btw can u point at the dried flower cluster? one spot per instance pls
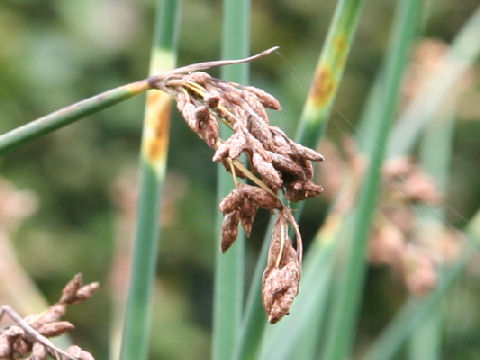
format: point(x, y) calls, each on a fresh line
point(403, 180)
point(277, 164)
point(415, 260)
point(28, 337)
point(282, 274)
point(396, 240)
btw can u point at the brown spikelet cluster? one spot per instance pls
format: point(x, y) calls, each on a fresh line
point(271, 160)
point(412, 250)
point(393, 242)
point(404, 179)
point(281, 277)
point(28, 337)
point(281, 163)
point(240, 205)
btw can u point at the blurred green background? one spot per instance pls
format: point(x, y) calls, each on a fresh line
point(54, 53)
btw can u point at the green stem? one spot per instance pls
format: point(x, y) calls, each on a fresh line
point(229, 269)
point(329, 72)
point(435, 153)
point(341, 328)
point(136, 331)
point(49, 123)
point(425, 340)
point(136, 336)
point(161, 57)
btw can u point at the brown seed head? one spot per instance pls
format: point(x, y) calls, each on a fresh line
point(301, 190)
point(21, 346)
point(265, 98)
point(55, 329)
point(281, 277)
point(212, 99)
point(79, 354)
point(39, 352)
point(229, 230)
point(5, 348)
point(70, 290)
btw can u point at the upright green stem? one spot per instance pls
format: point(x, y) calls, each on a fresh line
point(435, 154)
point(330, 67)
point(136, 336)
point(425, 341)
point(250, 335)
point(347, 303)
point(229, 271)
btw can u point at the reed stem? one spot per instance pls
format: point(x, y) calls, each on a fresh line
point(229, 268)
point(153, 159)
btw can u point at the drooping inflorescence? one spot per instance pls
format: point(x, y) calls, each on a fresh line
point(272, 161)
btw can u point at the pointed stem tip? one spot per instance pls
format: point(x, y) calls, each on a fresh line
point(210, 64)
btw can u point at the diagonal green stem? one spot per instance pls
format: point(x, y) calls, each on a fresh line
point(311, 128)
point(229, 270)
point(136, 336)
point(347, 302)
point(161, 57)
point(49, 123)
point(464, 51)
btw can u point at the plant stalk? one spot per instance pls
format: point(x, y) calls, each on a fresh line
point(229, 268)
point(346, 305)
point(153, 159)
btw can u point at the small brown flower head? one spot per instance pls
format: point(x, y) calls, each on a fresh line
point(21, 347)
point(5, 349)
point(229, 229)
point(387, 246)
point(39, 352)
point(419, 271)
point(301, 190)
point(74, 293)
point(78, 353)
point(55, 329)
point(403, 179)
point(29, 336)
point(240, 205)
point(281, 277)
